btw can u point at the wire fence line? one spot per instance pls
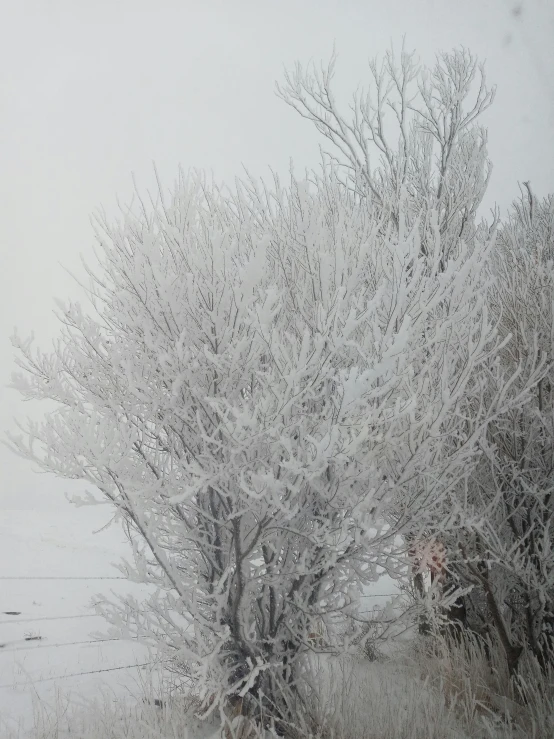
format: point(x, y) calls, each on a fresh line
point(96, 615)
point(48, 618)
point(61, 644)
point(82, 642)
point(64, 577)
point(75, 674)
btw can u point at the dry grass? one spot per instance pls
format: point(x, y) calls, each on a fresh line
point(447, 692)
point(358, 699)
point(474, 676)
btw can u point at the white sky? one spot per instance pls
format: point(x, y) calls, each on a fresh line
point(92, 90)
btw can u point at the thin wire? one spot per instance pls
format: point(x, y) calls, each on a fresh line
point(63, 644)
point(49, 618)
point(75, 674)
point(94, 615)
point(65, 578)
point(382, 595)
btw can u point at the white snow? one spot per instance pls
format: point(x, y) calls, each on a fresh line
point(58, 543)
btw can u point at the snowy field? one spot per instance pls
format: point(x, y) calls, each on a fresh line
point(45, 623)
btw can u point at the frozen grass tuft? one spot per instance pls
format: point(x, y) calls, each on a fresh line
point(473, 675)
point(357, 699)
point(108, 718)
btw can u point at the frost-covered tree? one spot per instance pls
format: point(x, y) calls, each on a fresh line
point(272, 393)
point(509, 557)
point(413, 130)
point(417, 131)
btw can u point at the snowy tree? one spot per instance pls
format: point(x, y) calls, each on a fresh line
point(272, 393)
point(509, 558)
point(417, 131)
point(413, 130)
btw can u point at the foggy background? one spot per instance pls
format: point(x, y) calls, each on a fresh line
point(93, 90)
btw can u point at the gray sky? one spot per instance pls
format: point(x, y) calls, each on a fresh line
point(93, 90)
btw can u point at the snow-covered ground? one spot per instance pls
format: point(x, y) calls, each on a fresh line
point(41, 641)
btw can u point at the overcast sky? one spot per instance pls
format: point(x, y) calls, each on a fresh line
point(93, 90)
